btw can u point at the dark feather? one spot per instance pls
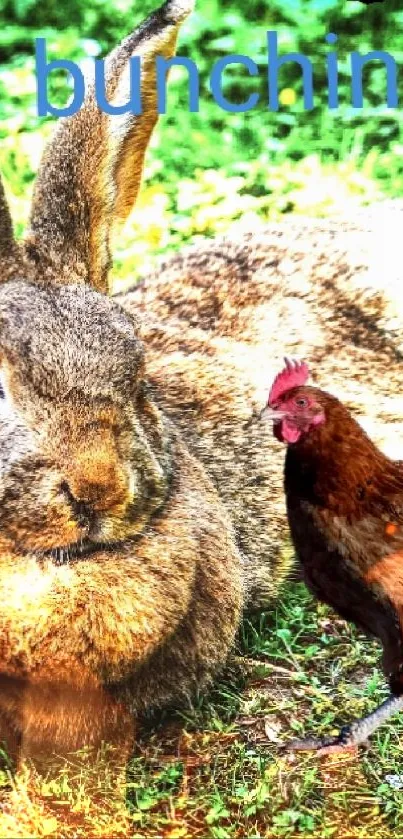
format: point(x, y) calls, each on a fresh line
point(345, 509)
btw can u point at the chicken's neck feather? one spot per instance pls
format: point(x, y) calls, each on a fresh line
point(336, 465)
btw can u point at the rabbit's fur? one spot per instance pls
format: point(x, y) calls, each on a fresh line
point(141, 498)
point(137, 586)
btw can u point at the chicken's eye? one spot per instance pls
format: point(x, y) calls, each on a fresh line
point(301, 402)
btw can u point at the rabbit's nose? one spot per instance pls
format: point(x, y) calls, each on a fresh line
point(96, 482)
point(82, 511)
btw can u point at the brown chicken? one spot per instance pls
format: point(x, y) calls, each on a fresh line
point(345, 512)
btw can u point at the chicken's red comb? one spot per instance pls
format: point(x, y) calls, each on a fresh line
point(294, 373)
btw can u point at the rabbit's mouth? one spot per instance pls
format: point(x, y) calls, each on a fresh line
point(78, 550)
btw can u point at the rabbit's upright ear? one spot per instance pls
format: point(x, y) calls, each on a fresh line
point(91, 171)
point(10, 255)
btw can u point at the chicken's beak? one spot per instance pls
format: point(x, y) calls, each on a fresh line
point(272, 414)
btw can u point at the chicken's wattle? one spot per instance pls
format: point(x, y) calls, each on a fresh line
point(286, 431)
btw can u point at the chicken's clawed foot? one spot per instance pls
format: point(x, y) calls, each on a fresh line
point(349, 736)
point(342, 742)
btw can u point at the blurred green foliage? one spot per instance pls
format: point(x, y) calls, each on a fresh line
point(210, 168)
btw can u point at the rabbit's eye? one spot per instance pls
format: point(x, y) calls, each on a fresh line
point(142, 389)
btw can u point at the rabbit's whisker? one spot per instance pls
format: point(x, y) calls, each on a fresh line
point(77, 550)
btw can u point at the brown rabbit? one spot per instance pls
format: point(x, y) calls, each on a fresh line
point(120, 574)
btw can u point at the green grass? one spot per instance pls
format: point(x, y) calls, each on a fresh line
point(226, 774)
point(217, 769)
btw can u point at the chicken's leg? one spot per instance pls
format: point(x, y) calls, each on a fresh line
point(350, 735)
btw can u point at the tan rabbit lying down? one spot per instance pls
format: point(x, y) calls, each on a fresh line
point(141, 498)
point(120, 574)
